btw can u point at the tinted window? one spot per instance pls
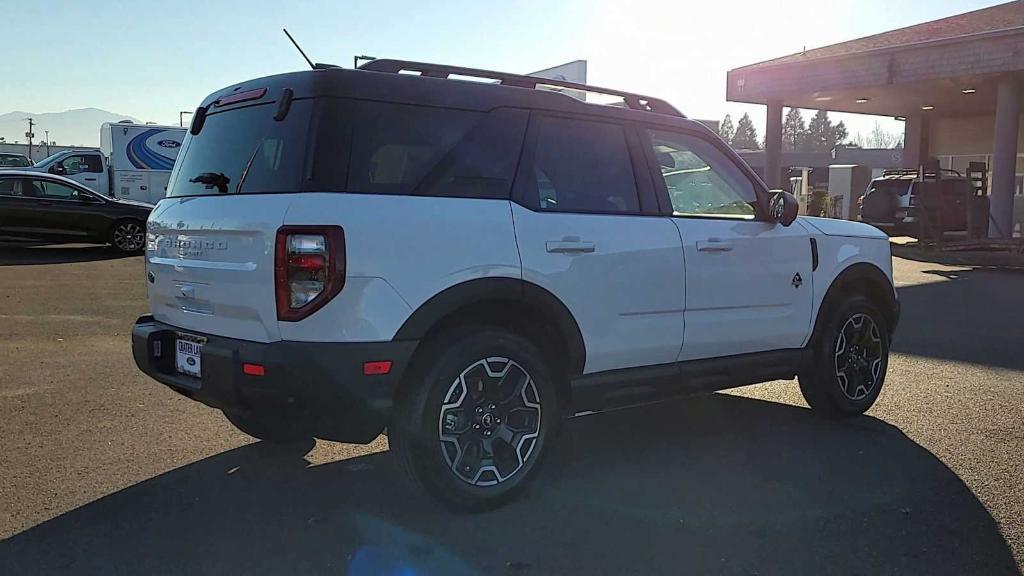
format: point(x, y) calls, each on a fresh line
point(483, 164)
point(700, 179)
point(245, 141)
point(897, 186)
point(583, 166)
point(10, 187)
point(394, 146)
point(53, 190)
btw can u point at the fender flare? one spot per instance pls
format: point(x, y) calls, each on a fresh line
point(512, 290)
point(875, 278)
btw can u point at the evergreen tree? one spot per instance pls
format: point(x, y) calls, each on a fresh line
point(794, 131)
point(726, 129)
point(745, 137)
point(839, 135)
point(819, 133)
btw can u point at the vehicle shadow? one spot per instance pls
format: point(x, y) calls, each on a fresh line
point(712, 484)
point(970, 316)
point(62, 254)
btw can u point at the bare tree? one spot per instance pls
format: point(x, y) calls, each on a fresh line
point(879, 138)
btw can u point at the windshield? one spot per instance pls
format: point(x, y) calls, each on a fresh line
point(244, 150)
point(48, 159)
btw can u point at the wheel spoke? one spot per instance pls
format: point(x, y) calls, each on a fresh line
point(471, 457)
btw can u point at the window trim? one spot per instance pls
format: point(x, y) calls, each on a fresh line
point(761, 213)
point(522, 188)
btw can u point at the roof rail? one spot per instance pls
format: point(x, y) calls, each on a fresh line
point(928, 173)
point(633, 101)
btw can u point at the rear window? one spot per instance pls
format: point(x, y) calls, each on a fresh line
point(247, 141)
point(340, 145)
point(901, 187)
point(14, 161)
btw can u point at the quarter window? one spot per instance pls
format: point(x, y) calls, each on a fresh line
point(583, 166)
point(700, 180)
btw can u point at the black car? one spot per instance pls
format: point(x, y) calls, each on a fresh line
point(40, 208)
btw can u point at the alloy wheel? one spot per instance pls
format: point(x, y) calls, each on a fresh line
point(128, 237)
point(490, 421)
point(858, 356)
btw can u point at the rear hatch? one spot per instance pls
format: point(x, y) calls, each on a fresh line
point(884, 198)
point(210, 244)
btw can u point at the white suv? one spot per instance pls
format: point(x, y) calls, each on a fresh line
point(465, 264)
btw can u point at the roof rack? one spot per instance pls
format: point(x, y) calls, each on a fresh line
point(633, 101)
point(928, 173)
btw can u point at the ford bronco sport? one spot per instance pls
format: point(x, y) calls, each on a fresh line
point(464, 264)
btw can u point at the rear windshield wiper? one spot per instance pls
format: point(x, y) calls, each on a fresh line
point(213, 180)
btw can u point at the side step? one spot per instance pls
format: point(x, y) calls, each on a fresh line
point(646, 384)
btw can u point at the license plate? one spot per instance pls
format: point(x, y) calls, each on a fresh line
point(188, 353)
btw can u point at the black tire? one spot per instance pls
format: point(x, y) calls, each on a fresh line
point(481, 397)
point(267, 428)
point(128, 236)
point(850, 359)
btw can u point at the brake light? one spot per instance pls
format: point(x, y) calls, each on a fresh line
point(309, 269)
point(376, 368)
point(241, 97)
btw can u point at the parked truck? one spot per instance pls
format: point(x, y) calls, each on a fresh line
point(134, 161)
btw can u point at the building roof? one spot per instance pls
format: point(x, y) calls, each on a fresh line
point(986, 20)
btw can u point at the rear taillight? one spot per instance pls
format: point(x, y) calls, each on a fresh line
point(309, 269)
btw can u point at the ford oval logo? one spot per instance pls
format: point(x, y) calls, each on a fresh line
point(169, 143)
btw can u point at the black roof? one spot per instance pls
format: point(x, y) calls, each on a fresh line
point(381, 80)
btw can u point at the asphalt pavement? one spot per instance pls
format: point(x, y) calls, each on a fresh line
point(103, 471)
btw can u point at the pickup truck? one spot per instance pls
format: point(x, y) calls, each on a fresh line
point(133, 162)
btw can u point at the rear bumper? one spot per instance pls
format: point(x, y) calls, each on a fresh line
point(320, 384)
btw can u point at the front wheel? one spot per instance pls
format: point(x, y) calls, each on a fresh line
point(473, 422)
point(851, 356)
point(128, 236)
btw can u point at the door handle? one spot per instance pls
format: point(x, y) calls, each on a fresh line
point(569, 247)
point(713, 245)
point(90, 179)
point(45, 203)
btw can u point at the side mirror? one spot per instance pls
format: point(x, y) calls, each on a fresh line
point(56, 169)
point(784, 207)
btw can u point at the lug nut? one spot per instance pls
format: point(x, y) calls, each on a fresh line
point(476, 426)
point(492, 407)
point(487, 432)
point(479, 410)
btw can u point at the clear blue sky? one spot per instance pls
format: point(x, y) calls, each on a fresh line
point(152, 59)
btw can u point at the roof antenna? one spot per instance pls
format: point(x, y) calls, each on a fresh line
point(299, 48)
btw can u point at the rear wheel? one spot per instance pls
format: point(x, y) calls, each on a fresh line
point(472, 424)
point(851, 356)
point(128, 236)
point(268, 428)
